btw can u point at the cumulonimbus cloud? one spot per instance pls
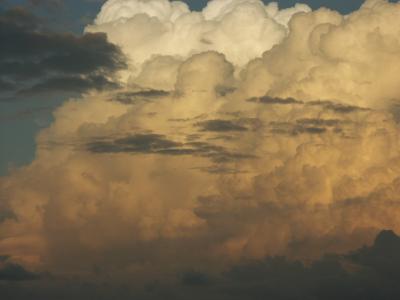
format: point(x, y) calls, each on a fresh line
point(242, 130)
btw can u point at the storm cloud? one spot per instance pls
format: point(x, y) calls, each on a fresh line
point(33, 60)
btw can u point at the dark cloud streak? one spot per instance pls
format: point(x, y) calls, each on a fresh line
point(143, 95)
point(159, 144)
point(221, 126)
point(274, 100)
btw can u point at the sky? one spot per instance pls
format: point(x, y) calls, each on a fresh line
point(177, 150)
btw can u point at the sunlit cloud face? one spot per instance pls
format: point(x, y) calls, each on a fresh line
point(239, 132)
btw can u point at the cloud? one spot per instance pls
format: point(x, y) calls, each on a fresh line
point(329, 56)
point(193, 278)
point(6, 85)
point(361, 274)
point(382, 257)
point(53, 4)
point(47, 62)
point(13, 272)
point(331, 277)
point(146, 143)
point(144, 95)
point(288, 147)
point(159, 144)
point(70, 84)
point(337, 107)
point(221, 125)
point(272, 100)
point(242, 30)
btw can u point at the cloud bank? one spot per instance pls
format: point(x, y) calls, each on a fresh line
point(241, 132)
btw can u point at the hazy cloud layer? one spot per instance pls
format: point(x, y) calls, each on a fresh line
point(366, 273)
point(211, 154)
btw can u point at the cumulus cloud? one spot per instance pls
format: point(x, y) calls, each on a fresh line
point(329, 56)
point(242, 130)
point(145, 30)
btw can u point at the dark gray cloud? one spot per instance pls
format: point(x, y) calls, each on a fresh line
point(221, 125)
point(274, 100)
point(309, 129)
point(6, 214)
point(316, 126)
point(223, 90)
point(138, 143)
point(279, 278)
point(383, 257)
point(319, 122)
point(195, 278)
point(144, 95)
point(368, 273)
point(306, 126)
point(151, 143)
point(33, 60)
point(70, 84)
point(311, 126)
point(218, 169)
point(50, 4)
point(337, 107)
point(6, 85)
point(13, 272)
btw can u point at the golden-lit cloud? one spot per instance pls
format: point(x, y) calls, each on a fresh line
point(230, 139)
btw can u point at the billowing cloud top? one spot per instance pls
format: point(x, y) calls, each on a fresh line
point(242, 130)
point(242, 30)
